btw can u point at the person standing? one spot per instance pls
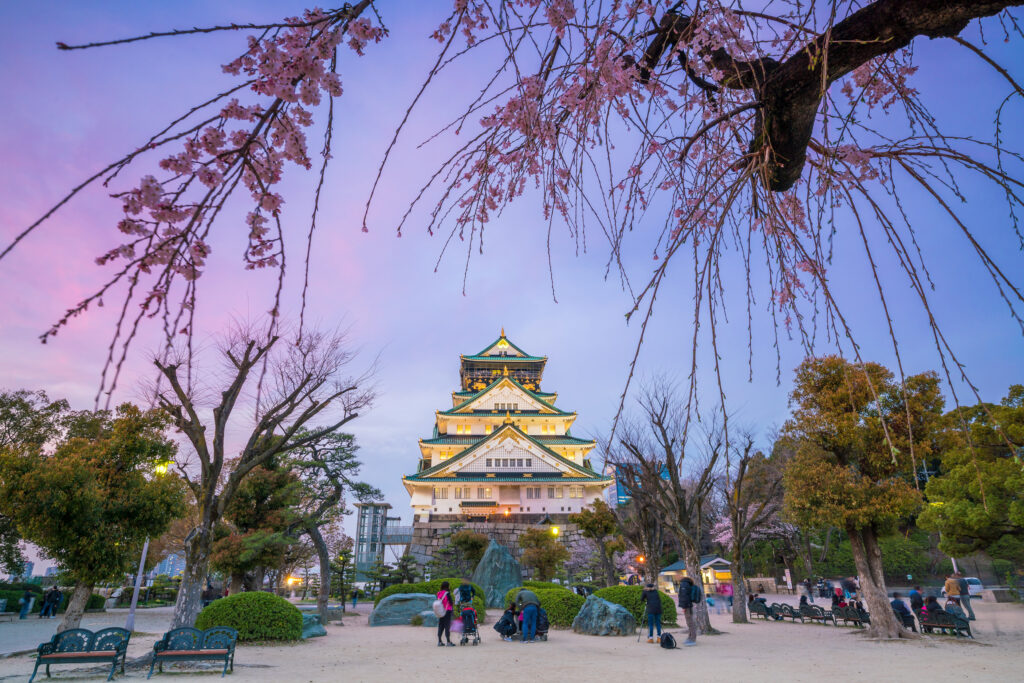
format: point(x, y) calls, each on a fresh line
point(355, 598)
point(25, 603)
point(50, 603)
point(809, 588)
point(529, 606)
point(444, 624)
point(728, 592)
point(689, 594)
point(965, 594)
point(952, 587)
point(652, 601)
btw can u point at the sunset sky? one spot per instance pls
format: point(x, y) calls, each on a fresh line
point(66, 115)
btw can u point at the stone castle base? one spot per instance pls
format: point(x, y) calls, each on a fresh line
point(430, 537)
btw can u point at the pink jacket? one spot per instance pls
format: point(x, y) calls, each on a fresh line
point(446, 599)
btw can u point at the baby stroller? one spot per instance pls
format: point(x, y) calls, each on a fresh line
point(542, 624)
point(470, 630)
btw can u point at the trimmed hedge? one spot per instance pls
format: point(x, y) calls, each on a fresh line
point(561, 604)
point(629, 597)
point(95, 602)
point(433, 587)
point(255, 615)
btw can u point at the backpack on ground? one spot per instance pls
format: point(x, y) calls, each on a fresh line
point(668, 641)
point(695, 594)
point(542, 621)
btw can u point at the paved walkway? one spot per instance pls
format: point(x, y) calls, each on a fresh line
point(26, 634)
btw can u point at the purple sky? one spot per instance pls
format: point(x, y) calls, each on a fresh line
point(67, 114)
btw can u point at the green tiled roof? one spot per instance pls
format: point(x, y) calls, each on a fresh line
point(507, 340)
point(514, 480)
point(531, 394)
point(479, 503)
point(557, 440)
point(505, 359)
point(494, 434)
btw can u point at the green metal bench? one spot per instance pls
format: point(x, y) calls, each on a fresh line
point(80, 646)
point(762, 610)
point(190, 644)
point(815, 613)
point(944, 622)
point(786, 611)
point(851, 613)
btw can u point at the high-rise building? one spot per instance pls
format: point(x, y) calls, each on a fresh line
point(171, 566)
point(371, 523)
point(52, 571)
point(503, 451)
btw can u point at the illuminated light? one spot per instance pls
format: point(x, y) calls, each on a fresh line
point(554, 531)
point(508, 511)
point(640, 559)
point(161, 467)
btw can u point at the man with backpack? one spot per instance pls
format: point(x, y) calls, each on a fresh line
point(689, 595)
point(652, 602)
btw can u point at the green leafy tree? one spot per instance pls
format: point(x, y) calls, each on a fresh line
point(259, 517)
point(543, 552)
point(27, 419)
point(92, 502)
point(327, 468)
point(405, 571)
point(977, 500)
point(854, 464)
point(599, 523)
point(377, 575)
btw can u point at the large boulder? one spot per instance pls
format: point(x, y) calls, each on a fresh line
point(598, 617)
point(400, 608)
point(497, 573)
point(311, 626)
point(429, 618)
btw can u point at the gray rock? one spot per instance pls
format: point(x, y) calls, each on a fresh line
point(598, 617)
point(497, 573)
point(311, 626)
point(398, 609)
point(429, 618)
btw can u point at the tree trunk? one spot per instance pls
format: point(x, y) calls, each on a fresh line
point(700, 610)
point(76, 606)
point(739, 588)
point(237, 583)
point(193, 579)
point(608, 566)
point(325, 571)
point(868, 558)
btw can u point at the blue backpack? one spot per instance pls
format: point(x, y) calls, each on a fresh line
point(695, 593)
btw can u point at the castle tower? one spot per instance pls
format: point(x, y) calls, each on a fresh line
point(503, 452)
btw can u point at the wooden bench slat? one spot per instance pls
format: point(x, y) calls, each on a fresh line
point(191, 653)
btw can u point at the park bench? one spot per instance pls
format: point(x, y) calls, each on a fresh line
point(786, 611)
point(762, 610)
point(190, 644)
point(944, 622)
point(851, 613)
point(79, 645)
point(815, 613)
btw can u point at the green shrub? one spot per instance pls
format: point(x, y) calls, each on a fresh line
point(629, 597)
point(20, 587)
point(543, 585)
point(417, 620)
point(561, 604)
point(95, 601)
point(255, 615)
point(1002, 567)
point(432, 587)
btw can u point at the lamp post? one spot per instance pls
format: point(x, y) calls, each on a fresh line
point(160, 468)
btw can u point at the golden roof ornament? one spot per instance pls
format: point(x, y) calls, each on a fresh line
point(508, 417)
point(506, 371)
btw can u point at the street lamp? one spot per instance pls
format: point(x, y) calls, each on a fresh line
point(160, 468)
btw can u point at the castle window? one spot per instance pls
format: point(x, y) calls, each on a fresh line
point(519, 462)
point(488, 428)
point(528, 461)
point(488, 462)
point(554, 492)
point(575, 491)
point(483, 493)
point(440, 492)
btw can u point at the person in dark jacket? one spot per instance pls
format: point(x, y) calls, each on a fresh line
point(529, 605)
point(686, 590)
point(902, 611)
point(652, 601)
point(25, 604)
point(506, 625)
point(916, 598)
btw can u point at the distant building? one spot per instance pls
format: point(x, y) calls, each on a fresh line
point(370, 526)
point(52, 571)
point(172, 566)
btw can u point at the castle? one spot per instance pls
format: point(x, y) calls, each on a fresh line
point(503, 456)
